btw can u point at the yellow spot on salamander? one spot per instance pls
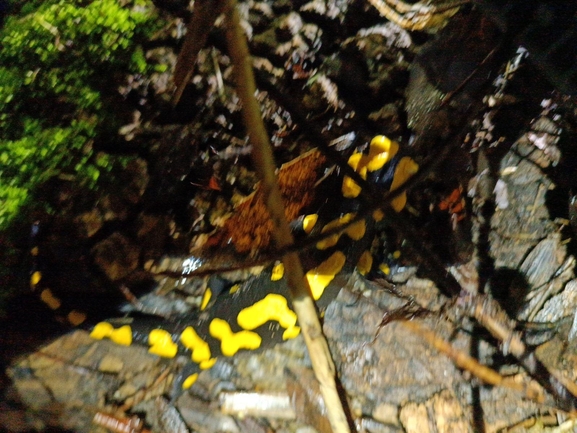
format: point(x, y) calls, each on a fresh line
point(232, 342)
point(35, 279)
point(355, 232)
point(309, 222)
point(205, 365)
point(161, 344)
point(331, 241)
point(291, 333)
point(234, 289)
point(75, 318)
point(405, 169)
point(34, 251)
point(101, 330)
point(365, 263)
point(189, 381)
point(273, 307)
point(49, 299)
point(378, 161)
point(122, 335)
point(385, 268)
point(321, 276)
point(378, 215)
point(277, 272)
point(191, 340)
point(396, 254)
point(381, 151)
point(350, 189)
point(205, 298)
point(355, 161)
point(382, 143)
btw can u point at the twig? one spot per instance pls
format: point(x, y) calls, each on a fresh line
point(466, 362)
point(203, 17)
point(303, 304)
point(489, 314)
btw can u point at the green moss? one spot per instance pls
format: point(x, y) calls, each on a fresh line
point(66, 60)
point(68, 52)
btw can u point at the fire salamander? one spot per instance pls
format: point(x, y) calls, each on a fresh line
point(258, 312)
point(62, 311)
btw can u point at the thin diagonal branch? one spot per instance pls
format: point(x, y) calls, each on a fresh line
point(203, 17)
point(303, 304)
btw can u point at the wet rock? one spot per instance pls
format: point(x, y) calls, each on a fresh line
point(562, 305)
point(117, 256)
point(441, 413)
point(543, 261)
point(111, 364)
point(152, 232)
point(89, 223)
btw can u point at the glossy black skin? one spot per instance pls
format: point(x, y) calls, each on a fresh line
point(226, 305)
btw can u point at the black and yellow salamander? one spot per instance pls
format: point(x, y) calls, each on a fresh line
point(62, 311)
point(258, 313)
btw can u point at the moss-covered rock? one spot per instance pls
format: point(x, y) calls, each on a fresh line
point(61, 63)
